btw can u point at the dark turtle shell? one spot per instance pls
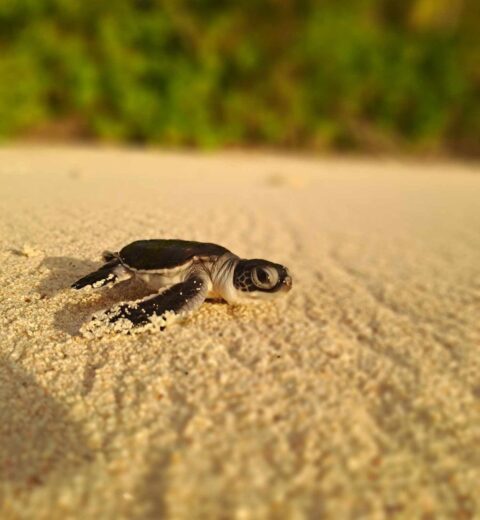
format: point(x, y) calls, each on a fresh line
point(166, 254)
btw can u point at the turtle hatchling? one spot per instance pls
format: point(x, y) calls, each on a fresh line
point(183, 274)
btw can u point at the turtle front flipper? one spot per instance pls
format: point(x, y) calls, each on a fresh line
point(110, 273)
point(179, 299)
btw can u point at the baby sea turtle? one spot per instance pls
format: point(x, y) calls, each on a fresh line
point(184, 274)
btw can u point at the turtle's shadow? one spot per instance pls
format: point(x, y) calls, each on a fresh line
point(63, 271)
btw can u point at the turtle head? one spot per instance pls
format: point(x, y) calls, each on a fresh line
point(254, 279)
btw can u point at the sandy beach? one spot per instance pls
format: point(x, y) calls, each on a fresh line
point(355, 396)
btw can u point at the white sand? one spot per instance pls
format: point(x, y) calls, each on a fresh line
point(356, 396)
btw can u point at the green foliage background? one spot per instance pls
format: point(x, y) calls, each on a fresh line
point(364, 74)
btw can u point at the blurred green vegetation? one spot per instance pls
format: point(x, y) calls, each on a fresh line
point(331, 74)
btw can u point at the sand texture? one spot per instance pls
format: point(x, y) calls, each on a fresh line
point(356, 396)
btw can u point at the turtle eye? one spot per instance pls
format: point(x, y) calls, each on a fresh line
point(264, 277)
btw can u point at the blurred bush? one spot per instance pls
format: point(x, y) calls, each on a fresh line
point(359, 74)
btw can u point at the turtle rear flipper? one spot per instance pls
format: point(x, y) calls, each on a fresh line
point(108, 256)
point(180, 298)
point(110, 273)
